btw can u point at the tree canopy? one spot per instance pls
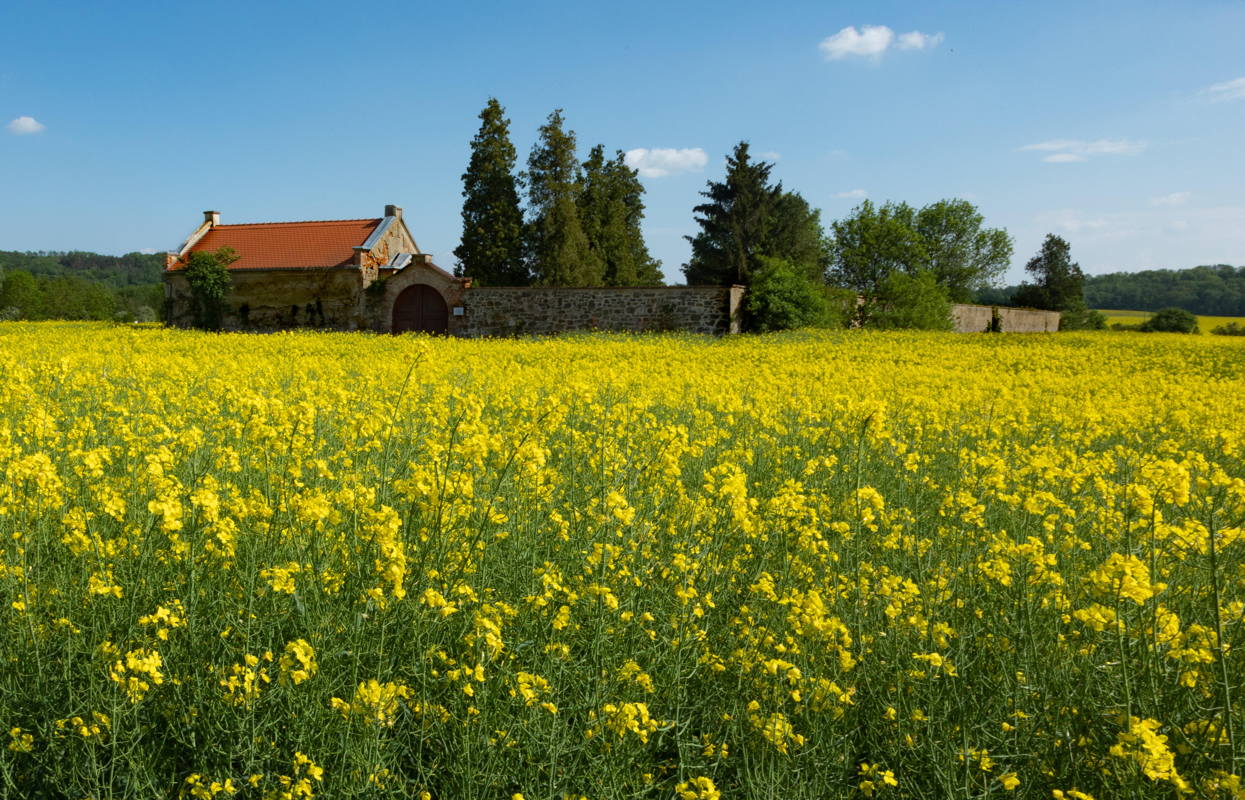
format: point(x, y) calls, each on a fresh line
point(947, 238)
point(491, 247)
point(746, 217)
point(559, 253)
point(611, 207)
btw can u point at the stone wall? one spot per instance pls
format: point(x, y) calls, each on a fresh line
point(976, 319)
point(519, 311)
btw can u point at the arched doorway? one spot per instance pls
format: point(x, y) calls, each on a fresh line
point(420, 308)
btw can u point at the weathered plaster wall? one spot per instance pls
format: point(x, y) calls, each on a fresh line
point(277, 299)
point(396, 240)
point(976, 319)
point(514, 311)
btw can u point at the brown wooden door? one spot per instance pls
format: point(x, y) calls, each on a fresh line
point(420, 308)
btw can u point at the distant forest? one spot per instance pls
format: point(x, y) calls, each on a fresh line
point(79, 285)
point(1213, 290)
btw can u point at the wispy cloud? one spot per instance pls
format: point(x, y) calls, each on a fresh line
point(1067, 151)
point(873, 41)
point(659, 162)
point(24, 126)
point(1228, 90)
point(916, 40)
point(852, 194)
point(1171, 200)
point(770, 155)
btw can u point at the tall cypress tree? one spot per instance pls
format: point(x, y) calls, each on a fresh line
point(491, 249)
point(558, 250)
point(611, 207)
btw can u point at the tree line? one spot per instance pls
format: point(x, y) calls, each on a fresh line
point(581, 222)
point(885, 266)
point(1217, 290)
point(24, 296)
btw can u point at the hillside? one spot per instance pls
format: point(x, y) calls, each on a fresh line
point(1217, 290)
point(115, 272)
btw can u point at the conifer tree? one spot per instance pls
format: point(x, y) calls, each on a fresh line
point(491, 249)
point(610, 209)
point(745, 218)
point(558, 250)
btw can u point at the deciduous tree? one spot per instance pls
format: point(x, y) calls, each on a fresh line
point(208, 276)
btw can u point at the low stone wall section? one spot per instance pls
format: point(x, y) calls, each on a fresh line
point(526, 311)
point(976, 319)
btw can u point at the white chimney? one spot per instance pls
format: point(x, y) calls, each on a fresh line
point(211, 218)
point(393, 211)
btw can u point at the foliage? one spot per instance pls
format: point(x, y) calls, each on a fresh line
point(874, 243)
point(746, 218)
point(1171, 320)
point(962, 255)
point(618, 566)
point(611, 207)
point(114, 272)
point(68, 297)
point(946, 238)
point(491, 248)
point(1229, 329)
point(781, 298)
point(208, 276)
point(1210, 290)
point(559, 253)
point(1080, 318)
point(1059, 282)
point(908, 300)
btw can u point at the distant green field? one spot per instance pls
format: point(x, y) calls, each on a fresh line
point(1204, 323)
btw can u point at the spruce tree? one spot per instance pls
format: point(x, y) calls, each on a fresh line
point(491, 249)
point(558, 250)
point(734, 222)
point(610, 210)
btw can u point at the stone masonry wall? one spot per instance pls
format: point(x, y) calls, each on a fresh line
point(976, 319)
point(517, 311)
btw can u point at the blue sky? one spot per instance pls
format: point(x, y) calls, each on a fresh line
point(1120, 126)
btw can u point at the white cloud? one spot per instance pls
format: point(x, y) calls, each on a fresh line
point(870, 40)
point(916, 40)
point(1228, 90)
point(853, 194)
point(662, 161)
point(148, 251)
point(1171, 200)
point(873, 40)
point(1067, 151)
point(23, 126)
point(770, 155)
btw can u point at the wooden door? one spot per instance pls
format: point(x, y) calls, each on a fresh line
point(420, 308)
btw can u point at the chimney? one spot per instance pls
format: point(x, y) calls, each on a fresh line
point(393, 211)
point(211, 218)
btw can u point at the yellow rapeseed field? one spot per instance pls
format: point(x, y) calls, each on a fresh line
point(804, 566)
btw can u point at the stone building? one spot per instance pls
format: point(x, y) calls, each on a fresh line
point(352, 274)
point(368, 274)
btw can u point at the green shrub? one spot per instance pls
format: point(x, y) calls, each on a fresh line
point(1171, 320)
point(780, 298)
point(906, 300)
point(1230, 329)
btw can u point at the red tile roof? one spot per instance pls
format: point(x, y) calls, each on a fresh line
point(286, 245)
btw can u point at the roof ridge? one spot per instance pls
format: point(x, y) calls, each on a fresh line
point(297, 222)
